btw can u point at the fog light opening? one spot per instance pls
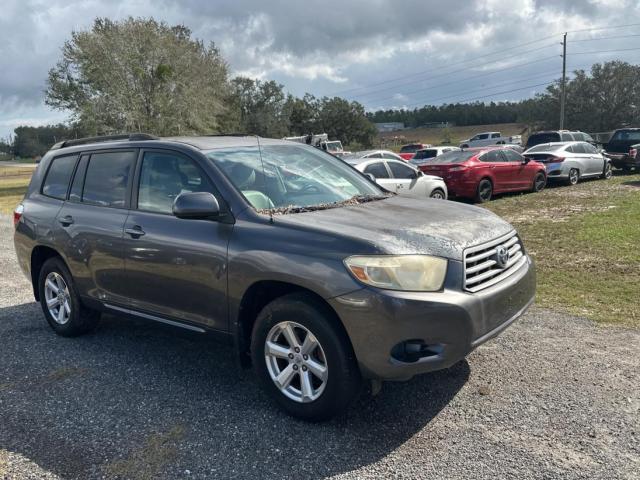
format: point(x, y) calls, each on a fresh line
point(411, 351)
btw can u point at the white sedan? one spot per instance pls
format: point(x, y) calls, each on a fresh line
point(400, 177)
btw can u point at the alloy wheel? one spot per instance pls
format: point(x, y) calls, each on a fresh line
point(540, 183)
point(486, 191)
point(296, 362)
point(438, 195)
point(573, 176)
point(608, 171)
point(58, 299)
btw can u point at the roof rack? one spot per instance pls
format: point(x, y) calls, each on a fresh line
point(132, 137)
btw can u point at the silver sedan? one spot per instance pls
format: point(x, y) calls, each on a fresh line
point(570, 161)
point(400, 177)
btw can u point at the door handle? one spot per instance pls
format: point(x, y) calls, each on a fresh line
point(66, 220)
point(135, 232)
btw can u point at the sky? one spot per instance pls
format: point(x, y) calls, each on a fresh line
point(382, 53)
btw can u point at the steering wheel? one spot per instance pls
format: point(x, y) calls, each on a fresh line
point(311, 188)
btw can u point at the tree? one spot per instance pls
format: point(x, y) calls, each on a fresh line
point(261, 107)
point(35, 141)
point(141, 75)
point(345, 121)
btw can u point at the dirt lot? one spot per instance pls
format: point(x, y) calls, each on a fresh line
point(556, 396)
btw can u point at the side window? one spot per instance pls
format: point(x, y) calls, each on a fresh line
point(483, 136)
point(389, 156)
point(512, 155)
point(56, 183)
point(495, 135)
point(399, 170)
point(578, 148)
point(492, 156)
point(164, 176)
point(570, 149)
point(566, 137)
point(589, 148)
point(377, 169)
point(107, 178)
point(579, 136)
point(78, 180)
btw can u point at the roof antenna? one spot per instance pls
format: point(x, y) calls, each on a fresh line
point(264, 177)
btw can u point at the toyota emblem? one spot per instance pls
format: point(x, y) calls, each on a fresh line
point(501, 256)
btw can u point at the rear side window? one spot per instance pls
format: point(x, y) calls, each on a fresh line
point(107, 179)
point(492, 156)
point(56, 183)
point(566, 137)
point(377, 169)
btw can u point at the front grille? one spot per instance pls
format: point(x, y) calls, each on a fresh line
point(484, 266)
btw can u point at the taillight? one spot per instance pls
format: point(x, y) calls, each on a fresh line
point(457, 168)
point(633, 152)
point(17, 214)
point(555, 159)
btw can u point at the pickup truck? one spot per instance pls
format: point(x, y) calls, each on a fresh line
point(490, 138)
point(619, 146)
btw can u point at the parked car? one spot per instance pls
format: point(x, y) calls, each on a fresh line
point(479, 173)
point(307, 269)
point(424, 155)
point(400, 177)
point(408, 151)
point(617, 149)
point(490, 138)
point(555, 136)
point(570, 161)
point(364, 154)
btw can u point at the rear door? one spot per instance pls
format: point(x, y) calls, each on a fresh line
point(90, 224)
point(175, 267)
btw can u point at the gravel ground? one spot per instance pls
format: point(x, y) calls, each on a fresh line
point(553, 397)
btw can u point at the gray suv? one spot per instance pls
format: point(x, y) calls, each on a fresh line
point(318, 277)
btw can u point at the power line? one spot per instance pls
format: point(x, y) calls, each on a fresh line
point(610, 27)
point(422, 72)
point(606, 51)
point(485, 74)
point(602, 38)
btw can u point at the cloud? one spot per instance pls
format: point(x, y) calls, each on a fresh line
point(325, 46)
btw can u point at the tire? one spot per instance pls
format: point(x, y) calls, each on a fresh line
point(484, 191)
point(304, 316)
point(438, 193)
point(464, 146)
point(574, 176)
point(626, 169)
point(608, 171)
point(539, 182)
point(56, 283)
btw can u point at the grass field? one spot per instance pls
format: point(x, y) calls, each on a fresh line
point(435, 136)
point(585, 241)
point(13, 184)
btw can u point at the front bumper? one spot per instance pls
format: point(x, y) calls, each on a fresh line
point(451, 322)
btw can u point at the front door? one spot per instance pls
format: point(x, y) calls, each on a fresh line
point(520, 174)
point(175, 267)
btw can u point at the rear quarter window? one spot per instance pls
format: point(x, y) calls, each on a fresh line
point(56, 183)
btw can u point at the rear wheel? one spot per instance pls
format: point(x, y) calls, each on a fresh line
point(608, 171)
point(438, 194)
point(574, 176)
point(485, 191)
point(303, 361)
point(60, 302)
point(539, 182)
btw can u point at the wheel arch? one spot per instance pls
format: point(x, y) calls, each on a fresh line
point(39, 255)
point(263, 292)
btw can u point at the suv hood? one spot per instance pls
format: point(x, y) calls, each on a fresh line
point(402, 225)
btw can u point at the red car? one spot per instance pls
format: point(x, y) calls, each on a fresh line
point(479, 173)
point(408, 151)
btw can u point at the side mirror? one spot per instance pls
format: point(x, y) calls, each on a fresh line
point(196, 205)
point(371, 177)
point(525, 160)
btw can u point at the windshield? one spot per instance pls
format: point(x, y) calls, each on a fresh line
point(626, 136)
point(454, 157)
point(334, 146)
point(422, 154)
point(294, 178)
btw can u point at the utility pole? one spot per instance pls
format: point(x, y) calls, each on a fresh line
point(563, 92)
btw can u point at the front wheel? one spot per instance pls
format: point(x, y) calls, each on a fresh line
point(485, 191)
point(303, 359)
point(608, 171)
point(438, 194)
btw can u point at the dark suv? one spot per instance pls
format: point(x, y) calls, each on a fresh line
point(553, 136)
point(317, 276)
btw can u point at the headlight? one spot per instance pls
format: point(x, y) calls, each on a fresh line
point(417, 273)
